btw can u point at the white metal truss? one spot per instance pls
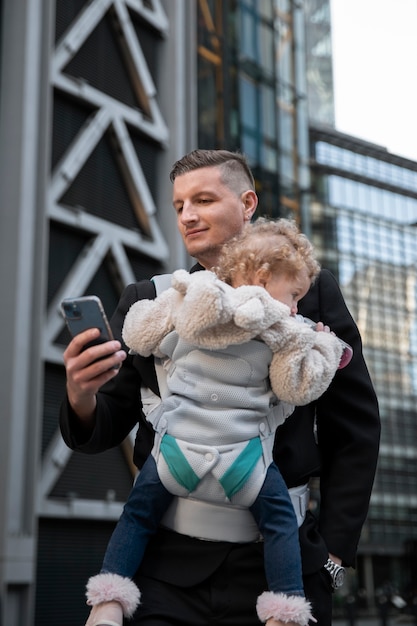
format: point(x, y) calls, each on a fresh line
point(107, 239)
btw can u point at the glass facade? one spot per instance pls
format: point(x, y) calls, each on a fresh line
point(364, 210)
point(319, 62)
point(251, 94)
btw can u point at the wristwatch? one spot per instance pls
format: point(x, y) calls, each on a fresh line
point(337, 573)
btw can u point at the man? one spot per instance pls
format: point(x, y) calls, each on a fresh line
point(191, 575)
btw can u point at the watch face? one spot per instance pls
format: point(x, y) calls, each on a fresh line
point(339, 579)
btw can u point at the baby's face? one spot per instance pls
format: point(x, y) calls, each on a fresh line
point(288, 290)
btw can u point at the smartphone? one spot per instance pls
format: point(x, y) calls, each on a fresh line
point(347, 353)
point(83, 313)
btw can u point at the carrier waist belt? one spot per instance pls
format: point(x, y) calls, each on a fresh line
point(217, 522)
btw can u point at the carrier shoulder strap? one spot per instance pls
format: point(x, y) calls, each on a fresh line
point(162, 282)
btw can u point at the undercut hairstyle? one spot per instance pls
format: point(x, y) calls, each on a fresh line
point(235, 171)
point(272, 246)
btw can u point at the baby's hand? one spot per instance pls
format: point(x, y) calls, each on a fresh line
point(320, 327)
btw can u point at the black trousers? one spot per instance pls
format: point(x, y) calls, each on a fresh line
point(226, 598)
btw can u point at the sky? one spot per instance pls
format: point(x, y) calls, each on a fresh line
point(374, 44)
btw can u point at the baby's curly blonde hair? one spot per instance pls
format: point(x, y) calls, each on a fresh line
point(273, 246)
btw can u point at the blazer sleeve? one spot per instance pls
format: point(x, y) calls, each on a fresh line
point(336, 437)
point(348, 429)
point(119, 406)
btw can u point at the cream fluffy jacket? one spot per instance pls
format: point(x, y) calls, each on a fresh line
point(210, 314)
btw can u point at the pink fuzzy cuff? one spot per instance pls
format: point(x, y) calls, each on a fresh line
point(284, 608)
point(112, 587)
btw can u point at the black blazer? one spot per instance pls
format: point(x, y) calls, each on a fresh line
point(336, 438)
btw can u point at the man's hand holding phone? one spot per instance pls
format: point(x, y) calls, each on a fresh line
point(89, 369)
point(92, 357)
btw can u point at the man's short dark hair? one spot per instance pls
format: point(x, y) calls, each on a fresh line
point(233, 166)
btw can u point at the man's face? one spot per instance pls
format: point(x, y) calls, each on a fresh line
point(209, 213)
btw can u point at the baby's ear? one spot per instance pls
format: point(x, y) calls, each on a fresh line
point(261, 277)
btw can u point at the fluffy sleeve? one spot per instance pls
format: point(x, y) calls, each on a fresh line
point(148, 321)
point(304, 362)
point(214, 315)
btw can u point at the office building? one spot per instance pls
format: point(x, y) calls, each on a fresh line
point(363, 215)
point(98, 99)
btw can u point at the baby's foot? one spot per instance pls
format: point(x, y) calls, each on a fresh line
point(279, 609)
point(106, 614)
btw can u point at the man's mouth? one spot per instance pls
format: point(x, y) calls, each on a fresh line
point(194, 232)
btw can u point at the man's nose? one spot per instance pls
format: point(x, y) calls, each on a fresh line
point(188, 213)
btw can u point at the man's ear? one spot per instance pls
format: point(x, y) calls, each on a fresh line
point(250, 201)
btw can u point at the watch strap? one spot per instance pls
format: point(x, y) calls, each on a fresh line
point(336, 572)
